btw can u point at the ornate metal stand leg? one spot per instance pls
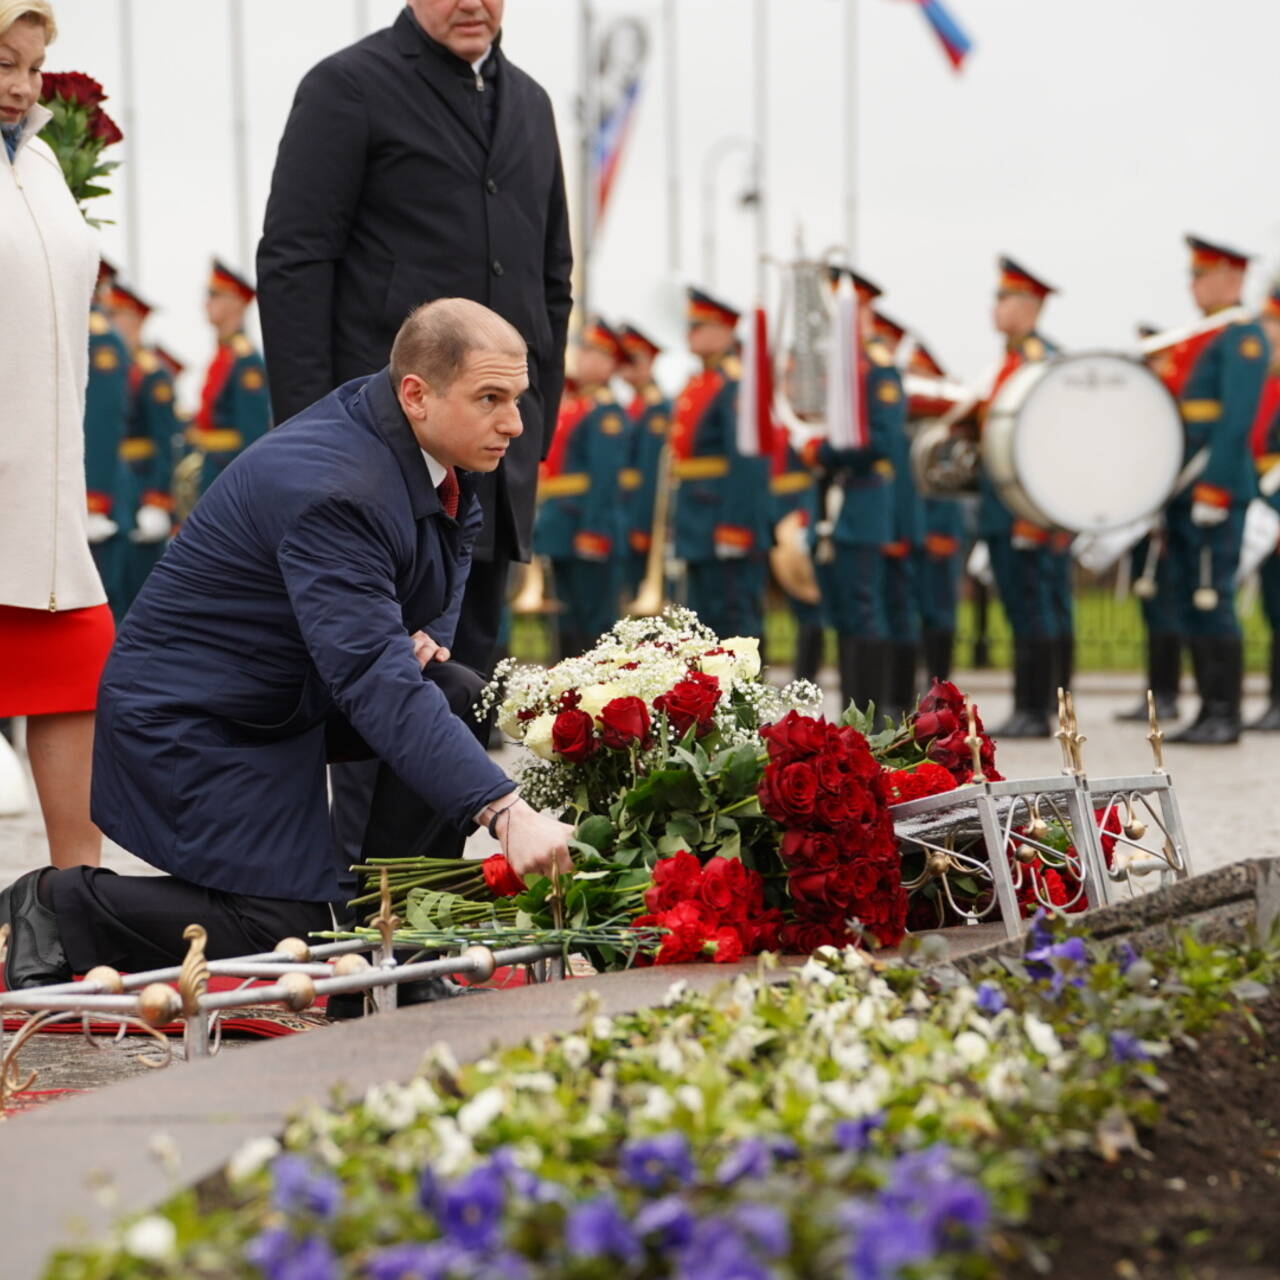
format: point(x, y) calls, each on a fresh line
point(386, 923)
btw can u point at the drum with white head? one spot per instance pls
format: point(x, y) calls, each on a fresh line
point(1083, 442)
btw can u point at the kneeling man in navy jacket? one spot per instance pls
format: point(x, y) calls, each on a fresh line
point(304, 614)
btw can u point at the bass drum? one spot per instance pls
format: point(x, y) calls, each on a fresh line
point(1084, 442)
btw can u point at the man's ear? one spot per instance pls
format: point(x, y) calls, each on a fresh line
point(414, 394)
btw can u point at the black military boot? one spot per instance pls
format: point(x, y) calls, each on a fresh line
point(900, 694)
point(863, 671)
point(1164, 673)
point(938, 648)
point(35, 956)
point(1269, 720)
point(1219, 664)
point(1033, 668)
point(809, 645)
point(1064, 662)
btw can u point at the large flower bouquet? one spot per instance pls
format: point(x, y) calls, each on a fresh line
point(79, 133)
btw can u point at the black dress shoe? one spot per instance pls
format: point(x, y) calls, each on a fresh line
point(1024, 723)
point(352, 1004)
point(1166, 711)
point(35, 957)
point(1268, 721)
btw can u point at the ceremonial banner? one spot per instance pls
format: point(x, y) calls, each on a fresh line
point(755, 391)
point(846, 423)
point(955, 44)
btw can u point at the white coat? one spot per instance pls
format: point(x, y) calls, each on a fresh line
point(48, 264)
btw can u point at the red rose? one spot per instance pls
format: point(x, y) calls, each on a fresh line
point(815, 889)
point(689, 930)
point(691, 701)
point(801, 938)
point(795, 737)
point(942, 694)
point(724, 888)
point(855, 753)
point(104, 128)
point(933, 724)
point(724, 946)
point(72, 86)
point(573, 736)
point(788, 792)
point(500, 878)
point(624, 722)
point(809, 850)
point(760, 932)
point(865, 877)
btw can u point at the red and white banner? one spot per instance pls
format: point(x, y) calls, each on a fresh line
point(755, 391)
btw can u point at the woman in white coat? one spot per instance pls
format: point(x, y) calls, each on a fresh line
point(55, 627)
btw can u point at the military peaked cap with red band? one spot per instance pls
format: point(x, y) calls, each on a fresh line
point(597, 334)
point(1271, 304)
point(1206, 254)
point(867, 290)
point(223, 280)
point(106, 270)
point(924, 363)
point(1015, 278)
point(704, 309)
point(889, 330)
point(635, 343)
point(122, 298)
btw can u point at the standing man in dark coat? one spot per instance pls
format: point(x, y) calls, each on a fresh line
point(307, 609)
point(416, 164)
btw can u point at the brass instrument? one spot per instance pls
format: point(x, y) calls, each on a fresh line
point(533, 595)
point(651, 598)
point(186, 485)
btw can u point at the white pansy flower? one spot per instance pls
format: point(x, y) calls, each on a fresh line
point(481, 1111)
point(658, 1106)
point(454, 1151)
point(818, 974)
point(534, 1082)
point(576, 1051)
point(152, 1239)
point(676, 992)
point(689, 1096)
point(601, 1027)
point(537, 736)
point(850, 1054)
point(669, 1056)
point(903, 1030)
point(600, 1099)
point(971, 1047)
point(252, 1156)
point(1042, 1036)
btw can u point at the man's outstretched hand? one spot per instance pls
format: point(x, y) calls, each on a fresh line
point(425, 649)
point(534, 844)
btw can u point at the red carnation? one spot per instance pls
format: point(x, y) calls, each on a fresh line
point(691, 701)
point(501, 879)
point(624, 722)
point(724, 946)
point(573, 736)
point(675, 879)
point(926, 779)
point(689, 929)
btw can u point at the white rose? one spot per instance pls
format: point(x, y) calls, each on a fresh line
point(746, 652)
point(153, 1239)
point(595, 697)
point(720, 665)
point(537, 737)
point(509, 721)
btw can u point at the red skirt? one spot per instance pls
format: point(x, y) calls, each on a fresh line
point(52, 662)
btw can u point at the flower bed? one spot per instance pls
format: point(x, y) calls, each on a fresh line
point(869, 1119)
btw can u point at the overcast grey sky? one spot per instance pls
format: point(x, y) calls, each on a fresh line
point(1083, 137)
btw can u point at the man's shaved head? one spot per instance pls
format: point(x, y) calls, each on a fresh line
point(436, 339)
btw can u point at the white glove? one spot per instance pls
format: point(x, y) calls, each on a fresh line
point(1204, 515)
point(151, 524)
point(101, 527)
point(724, 551)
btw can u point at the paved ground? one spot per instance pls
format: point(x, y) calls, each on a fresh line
point(1230, 801)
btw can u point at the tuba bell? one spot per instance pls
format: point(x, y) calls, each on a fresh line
point(187, 474)
point(532, 595)
point(651, 596)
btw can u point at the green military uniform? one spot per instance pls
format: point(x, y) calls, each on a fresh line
point(105, 418)
point(235, 408)
point(146, 455)
point(649, 417)
point(1219, 402)
point(793, 490)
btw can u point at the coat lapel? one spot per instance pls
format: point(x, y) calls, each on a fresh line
point(456, 91)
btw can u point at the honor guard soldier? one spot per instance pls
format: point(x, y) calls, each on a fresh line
point(578, 525)
point(938, 558)
point(856, 505)
point(1219, 375)
point(235, 408)
point(145, 504)
point(722, 497)
point(901, 598)
point(106, 411)
point(793, 493)
point(1266, 452)
point(650, 416)
point(1152, 584)
point(1026, 578)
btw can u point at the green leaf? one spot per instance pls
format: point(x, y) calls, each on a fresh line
point(596, 831)
point(740, 774)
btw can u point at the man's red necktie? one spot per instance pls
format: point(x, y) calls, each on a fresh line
point(448, 491)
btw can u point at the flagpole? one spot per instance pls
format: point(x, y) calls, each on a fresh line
point(132, 231)
point(851, 129)
point(762, 142)
point(240, 136)
point(671, 122)
point(586, 181)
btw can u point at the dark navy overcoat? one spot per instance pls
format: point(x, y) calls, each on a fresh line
point(285, 608)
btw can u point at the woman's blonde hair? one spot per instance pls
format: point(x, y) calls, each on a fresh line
point(37, 11)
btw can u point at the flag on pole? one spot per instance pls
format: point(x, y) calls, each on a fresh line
point(622, 55)
point(846, 423)
point(755, 391)
point(955, 44)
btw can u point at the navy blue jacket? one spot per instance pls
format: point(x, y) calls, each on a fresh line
point(280, 614)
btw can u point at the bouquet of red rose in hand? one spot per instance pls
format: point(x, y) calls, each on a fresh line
point(79, 133)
